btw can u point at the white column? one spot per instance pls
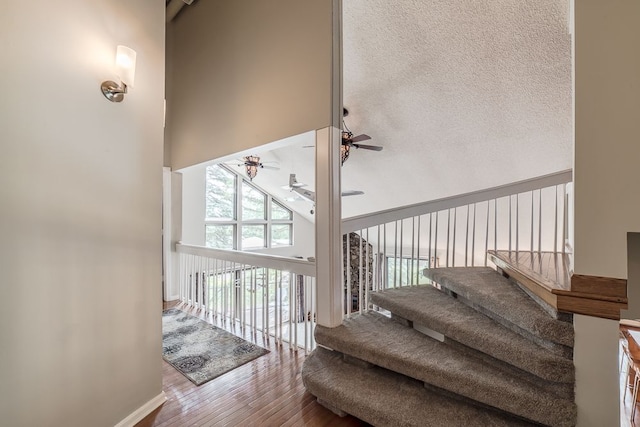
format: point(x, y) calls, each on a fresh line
point(328, 227)
point(330, 300)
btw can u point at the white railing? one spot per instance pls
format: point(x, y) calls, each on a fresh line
point(393, 247)
point(276, 296)
point(271, 295)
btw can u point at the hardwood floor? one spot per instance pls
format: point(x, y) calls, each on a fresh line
point(267, 391)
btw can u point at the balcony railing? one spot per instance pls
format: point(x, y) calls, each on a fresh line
point(276, 296)
point(271, 295)
point(391, 248)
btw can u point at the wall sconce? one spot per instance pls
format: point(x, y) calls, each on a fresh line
point(125, 70)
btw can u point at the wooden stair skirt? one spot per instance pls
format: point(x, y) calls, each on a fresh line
point(546, 276)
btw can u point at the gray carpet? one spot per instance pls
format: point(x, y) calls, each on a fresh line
point(201, 351)
point(494, 295)
point(385, 399)
point(383, 342)
point(427, 306)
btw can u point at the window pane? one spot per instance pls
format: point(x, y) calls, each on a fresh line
point(253, 203)
point(404, 271)
point(279, 212)
point(253, 236)
point(220, 194)
point(281, 235)
point(219, 236)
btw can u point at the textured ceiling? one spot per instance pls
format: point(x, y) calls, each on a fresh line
point(463, 95)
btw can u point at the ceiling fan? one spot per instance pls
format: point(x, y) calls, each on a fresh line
point(349, 140)
point(252, 164)
point(308, 195)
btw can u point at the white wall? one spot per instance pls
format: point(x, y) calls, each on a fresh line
point(193, 212)
point(606, 178)
point(80, 217)
point(245, 73)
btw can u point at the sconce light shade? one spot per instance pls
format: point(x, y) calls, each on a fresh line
point(125, 70)
point(126, 65)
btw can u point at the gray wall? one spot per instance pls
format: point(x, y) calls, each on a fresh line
point(606, 177)
point(244, 73)
point(80, 213)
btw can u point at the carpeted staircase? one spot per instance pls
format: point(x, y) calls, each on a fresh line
point(473, 350)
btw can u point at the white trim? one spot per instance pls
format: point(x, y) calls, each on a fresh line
point(137, 415)
point(167, 274)
point(329, 278)
point(428, 332)
point(369, 220)
point(293, 265)
point(172, 298)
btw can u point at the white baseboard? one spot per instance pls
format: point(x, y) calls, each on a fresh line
point(137, 415)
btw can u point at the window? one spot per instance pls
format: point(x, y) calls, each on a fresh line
point(241, 216)
point(219, 236)
point(221, 194)
point(281, 225)
point(404, 271)
point(254, 203)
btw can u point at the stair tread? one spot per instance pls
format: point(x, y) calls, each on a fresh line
point(488, 289)
point(383, 342)
point(427, 306)
point(383, 398)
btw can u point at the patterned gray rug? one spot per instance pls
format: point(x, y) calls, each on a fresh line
point(201, 351)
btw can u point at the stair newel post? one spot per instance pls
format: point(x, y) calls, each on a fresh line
point(328, 228)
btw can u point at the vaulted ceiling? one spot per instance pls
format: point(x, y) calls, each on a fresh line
point(463, 95)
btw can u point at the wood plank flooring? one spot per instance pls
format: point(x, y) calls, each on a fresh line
point(267, 391)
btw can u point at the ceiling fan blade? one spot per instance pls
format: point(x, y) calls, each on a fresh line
point(269, 167)
point(359, 138)
point(308, 146)
point(368, 147)
point(352, 193)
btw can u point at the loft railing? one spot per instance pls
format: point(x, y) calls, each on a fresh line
point(271, 295)
point(276, 296)
point(391, 248)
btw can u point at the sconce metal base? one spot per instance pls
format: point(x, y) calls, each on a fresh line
point(113, 91)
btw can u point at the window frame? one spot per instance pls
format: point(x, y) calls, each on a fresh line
point(238, 222)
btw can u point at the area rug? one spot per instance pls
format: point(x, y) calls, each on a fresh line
point(201, 351)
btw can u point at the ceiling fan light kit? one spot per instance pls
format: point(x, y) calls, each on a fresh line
point(252, 163)
point(348, 141)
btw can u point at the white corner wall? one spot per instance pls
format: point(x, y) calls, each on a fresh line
point(80, 217)
point(607, 151)
point(606, 178)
